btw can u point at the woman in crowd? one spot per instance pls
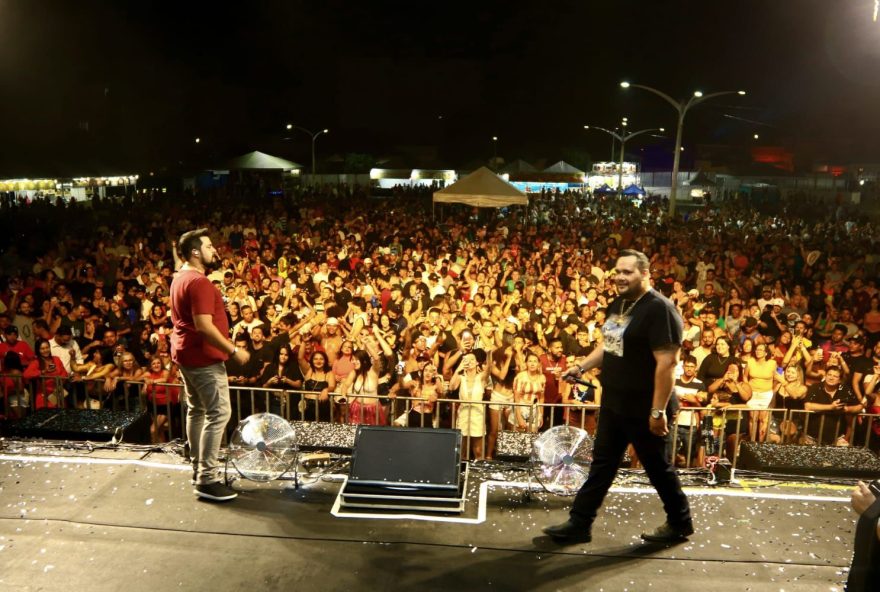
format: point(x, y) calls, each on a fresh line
point(121, 385)
point(790, 392)
point(780, 348)
point(344, 363)
point(715, 365)
point(119, 321)
point(282, 373)
point(528, 395)
point(760, 373)
point(730, 394)
point(470, 379)
point(426, 390)
point(746, 351)
point(871, 323)
point(505, 366)
point(361, 389)
point(94, 371)
point(49, 375)
point(318, 384)
point(163, 399)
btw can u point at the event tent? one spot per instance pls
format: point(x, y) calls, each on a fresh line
point(482, 189)
point(563, 168)
point(634, 189)
point(603, 188)
point(261, 161)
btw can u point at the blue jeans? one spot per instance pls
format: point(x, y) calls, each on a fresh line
point(208, 411)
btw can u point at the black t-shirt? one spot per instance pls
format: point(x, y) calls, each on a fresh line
point(628, 364)
point(714, 367)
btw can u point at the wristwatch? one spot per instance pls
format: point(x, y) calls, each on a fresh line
point(656, 413)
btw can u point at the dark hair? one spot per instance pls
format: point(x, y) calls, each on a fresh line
point(318, 352)
point(278, 353)
point(642, 261)
point(189, 241)
point(364, 358)
point(12, 361)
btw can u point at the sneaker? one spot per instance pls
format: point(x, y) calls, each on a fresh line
point(216, 491)
point(569, 532)
point(666, 533)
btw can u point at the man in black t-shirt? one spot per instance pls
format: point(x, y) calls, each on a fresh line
point(642, 337)
point(836, 402)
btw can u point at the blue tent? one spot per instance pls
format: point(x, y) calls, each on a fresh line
point(634, 190)
point(604, 188)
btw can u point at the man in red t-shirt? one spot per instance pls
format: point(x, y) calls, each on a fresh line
point(199, 346)
point(553, 364)
point(14, 344)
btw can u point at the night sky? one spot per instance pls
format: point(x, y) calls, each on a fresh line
point(131, 84)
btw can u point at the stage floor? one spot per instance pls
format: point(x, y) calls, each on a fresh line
point(126, 520)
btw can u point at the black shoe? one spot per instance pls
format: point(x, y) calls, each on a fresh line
point(666, 533)
point(216, 492)
point(569, 532)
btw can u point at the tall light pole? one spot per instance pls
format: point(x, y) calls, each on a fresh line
point(623, 138)
point(495, 151)
point(681, 107)
point(314, 136)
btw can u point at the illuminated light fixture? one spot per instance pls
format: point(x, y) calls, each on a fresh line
point(494, 138)
point(861, 181)
point(624, 85)
point(876, 9)
point(289, 126)
point(198, 140)
point(326, 131)
point(682, 148)
point(756, 136)
point(662, 129)
point(742, 93)
point(698, 94)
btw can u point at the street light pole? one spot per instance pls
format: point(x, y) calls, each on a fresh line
point(314, 136)
point(623, 138)
point(681, 107)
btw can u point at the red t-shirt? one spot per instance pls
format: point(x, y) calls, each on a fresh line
point(192, 293)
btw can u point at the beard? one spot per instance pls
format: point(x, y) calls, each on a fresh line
point(213, 265)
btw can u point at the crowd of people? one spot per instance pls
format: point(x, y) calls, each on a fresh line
point(381, 310)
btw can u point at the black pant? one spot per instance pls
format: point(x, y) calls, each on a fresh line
point(614, 433)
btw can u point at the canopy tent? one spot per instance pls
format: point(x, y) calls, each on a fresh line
point(519, 166)
point(482, 189)
point(261, 161)
point(701, 179)
point(563, 168)
point(603, 188)
point(634, 189)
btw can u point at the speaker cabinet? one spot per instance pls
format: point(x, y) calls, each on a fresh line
point(406, 468)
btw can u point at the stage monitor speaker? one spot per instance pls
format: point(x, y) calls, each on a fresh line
point(406, 461)
point(84, 424)
point(819, 461)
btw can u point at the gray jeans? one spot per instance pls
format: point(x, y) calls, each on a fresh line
point(208, 411)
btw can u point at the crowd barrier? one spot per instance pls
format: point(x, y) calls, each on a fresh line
point(698, 433)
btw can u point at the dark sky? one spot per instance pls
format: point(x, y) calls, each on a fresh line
point(132, 83)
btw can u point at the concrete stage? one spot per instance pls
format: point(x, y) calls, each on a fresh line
point(126, 519)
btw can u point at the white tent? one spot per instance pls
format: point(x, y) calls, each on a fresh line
point(482, 189)
point(564, 168)
point(261, 161)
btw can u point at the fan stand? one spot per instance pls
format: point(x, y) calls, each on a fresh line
point(262, 446)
